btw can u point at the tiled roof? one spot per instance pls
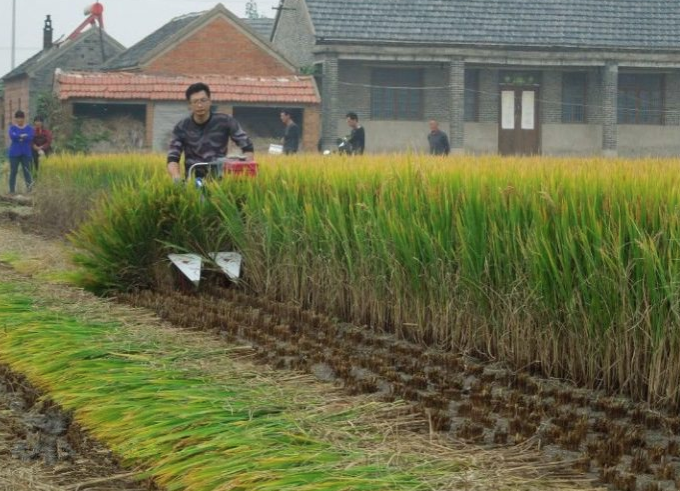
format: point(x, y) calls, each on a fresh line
point(23, 68)
point(608, 24)
point(135, 86)
point(262, 26)
point(133, 55)
point(45, 55)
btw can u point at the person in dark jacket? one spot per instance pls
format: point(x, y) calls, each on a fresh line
point(439, 142)
point(357, 137)
point(42, 142)
point(291, 135)
point(20, 152)
point(204, 136)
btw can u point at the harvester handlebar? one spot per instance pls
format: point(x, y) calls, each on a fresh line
point(224, 165)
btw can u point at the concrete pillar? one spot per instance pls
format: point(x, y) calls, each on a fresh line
point(457, 102)
point(330, 101)
point(610, 89)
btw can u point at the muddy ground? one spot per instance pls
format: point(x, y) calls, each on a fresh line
point(42, 449)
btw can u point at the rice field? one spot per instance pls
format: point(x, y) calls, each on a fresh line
point(469, 283)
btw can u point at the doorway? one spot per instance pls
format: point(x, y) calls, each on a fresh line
point(518, 132)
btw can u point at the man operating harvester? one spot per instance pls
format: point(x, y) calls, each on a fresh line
point(204, 136)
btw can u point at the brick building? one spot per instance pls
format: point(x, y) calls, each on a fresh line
point(250, 79)
point(508, 76)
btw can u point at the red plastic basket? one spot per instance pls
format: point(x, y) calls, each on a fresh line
point(240, 168)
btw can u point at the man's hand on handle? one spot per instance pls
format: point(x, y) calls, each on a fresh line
point(173, 170)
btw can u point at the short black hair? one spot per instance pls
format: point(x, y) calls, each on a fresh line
point(196, 88)
point(352, 115)
point(19, 114)
point(38, 119)
point(286, 112)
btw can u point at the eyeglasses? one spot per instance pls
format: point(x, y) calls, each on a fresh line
point(196, 102)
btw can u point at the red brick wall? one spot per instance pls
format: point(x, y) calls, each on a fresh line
point(16, 97)
point(312, 132)
point(218, 48)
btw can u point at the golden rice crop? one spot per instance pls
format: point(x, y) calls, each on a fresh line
point(69, 184)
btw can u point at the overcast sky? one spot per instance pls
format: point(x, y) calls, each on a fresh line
point(128, 21)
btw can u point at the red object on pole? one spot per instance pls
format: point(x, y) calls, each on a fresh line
point(96, 9)
point(95, 13)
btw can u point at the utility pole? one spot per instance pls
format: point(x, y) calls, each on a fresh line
point(14, 31)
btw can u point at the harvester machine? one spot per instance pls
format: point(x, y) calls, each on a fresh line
point(229, 262)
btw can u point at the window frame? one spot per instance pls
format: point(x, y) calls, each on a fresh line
point(391, 96)
point(635, 84)
point(569, 108)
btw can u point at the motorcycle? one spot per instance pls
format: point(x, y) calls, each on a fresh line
point(342, 147)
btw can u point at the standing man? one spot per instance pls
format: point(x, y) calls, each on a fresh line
point(439, 142)
point(42, 142)
point(203, 136)
point(291, 136)
point(357, 137)
point(21, 138)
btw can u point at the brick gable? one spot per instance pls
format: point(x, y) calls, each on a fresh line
point(219, 47)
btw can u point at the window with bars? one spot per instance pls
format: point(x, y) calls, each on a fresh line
point(640, 99)
point(471, 95)
point(397, 94)
point(574, 86)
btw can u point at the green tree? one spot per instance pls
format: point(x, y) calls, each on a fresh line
point(56, 119)
point(67, 130)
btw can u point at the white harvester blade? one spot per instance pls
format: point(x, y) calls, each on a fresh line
point(229, 262)
point(189, 264)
